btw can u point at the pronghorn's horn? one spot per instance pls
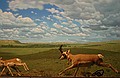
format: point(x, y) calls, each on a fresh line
point(61, 49)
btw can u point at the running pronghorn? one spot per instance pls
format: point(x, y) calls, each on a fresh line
point(12, 63)
point(83, 60)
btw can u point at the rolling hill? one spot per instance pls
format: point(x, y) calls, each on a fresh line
point(9, 42)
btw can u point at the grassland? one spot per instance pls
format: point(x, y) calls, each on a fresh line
point(42, 58)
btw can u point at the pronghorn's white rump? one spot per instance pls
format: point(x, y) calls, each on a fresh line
point(100, 56)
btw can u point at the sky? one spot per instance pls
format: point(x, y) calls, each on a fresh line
point(60, 20)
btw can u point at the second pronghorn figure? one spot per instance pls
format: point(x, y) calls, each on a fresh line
point(83, 60)
point(13, 63)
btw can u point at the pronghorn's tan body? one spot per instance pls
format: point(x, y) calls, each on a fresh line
point(83, 60)
point(12, 63)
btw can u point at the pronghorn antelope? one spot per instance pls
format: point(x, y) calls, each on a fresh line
point(83, 60)
point(3, 67)
point(12, 63)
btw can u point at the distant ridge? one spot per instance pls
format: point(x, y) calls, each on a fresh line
point(104, 42)
point(10, 42)
point(18, 42)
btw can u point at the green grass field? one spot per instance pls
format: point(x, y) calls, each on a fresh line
point(42, 59)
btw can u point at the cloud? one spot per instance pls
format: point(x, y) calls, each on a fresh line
point(25, 4)
point(9, 33)
point(57, 25)
point(53, 10)
point(58, 17)
point(66, 2)
point(37, 30)
point(69, 31)
point(77, 9)
point(37, 20)
point(81, 9)
point(97, 10)
point(8, 19)
point(112, 20)
point(111, 13)
point(80, 34)
point(25, 21)
point(44, 26)
point(16, 27)
point(98, 27)
point(53, 30)
point(114, 31)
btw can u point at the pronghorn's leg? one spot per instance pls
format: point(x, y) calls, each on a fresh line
point(21, 64)
point(9, 70)
point(85, 72)
point(26, 66)
point(70, 67)
point(17, 70)
point(2, 70)
point(76, 71)
point(108, 65)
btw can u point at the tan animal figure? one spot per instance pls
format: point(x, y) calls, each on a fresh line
point(83, 60)
point(3, 67)
point(12, 63)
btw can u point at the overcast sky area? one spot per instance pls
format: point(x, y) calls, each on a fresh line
point(60, 20)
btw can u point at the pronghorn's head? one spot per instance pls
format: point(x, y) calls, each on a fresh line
point(65, 54)
point(1, 61)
